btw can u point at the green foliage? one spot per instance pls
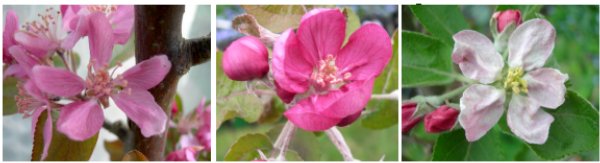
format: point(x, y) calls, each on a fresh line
point(10, 90)
point(278, 18)
point(246, 149)
point(441, 21)
point(494, 146)
point(425, 60)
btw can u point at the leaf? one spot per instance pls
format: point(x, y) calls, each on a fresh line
point(384, 113)
point(61, 147)
point(273, 111)
point(245, 148)
point(425, 61)
point(234, 99)
point(278, 18)
point(413, 151)
point(134, 155)
point(527, 11)
point(9, 104)
point(493, 146)
point(441, 21)
point(114, 149)
point(352, 22)
point(574, 130)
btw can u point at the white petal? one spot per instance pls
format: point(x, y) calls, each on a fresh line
point(481, 107)
point(533, 127)
point(531, 44)
point(546, 86)
point(476, 56)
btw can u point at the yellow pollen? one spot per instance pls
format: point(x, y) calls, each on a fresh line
point(515, 82)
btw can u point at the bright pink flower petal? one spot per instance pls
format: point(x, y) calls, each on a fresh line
point(122, 21)
point(476, 56)
point(16, 71)
point(34, 91)
point(531, 44)
point(148, 73)
point(47, 134)
point(80, 120)
point(69, 16)
point(296, 64)
point(481, 108)
point(39, 46)
point(283, 94)
point(101, 40)
point(366, 54)
point(306, 117)
point(11, 26)
point(322, 33)
point(533, 127)
point(80, 29)
point(25, 60)
point(57, 81)
point(546, 86)
point(245, 59)
point(140, 107)
point(346, 101)
point(349, 119)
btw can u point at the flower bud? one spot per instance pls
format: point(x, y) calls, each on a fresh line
point(441, 119)
point(349, 119)
point(503, 18)
point(408, 121)
point(245, 59)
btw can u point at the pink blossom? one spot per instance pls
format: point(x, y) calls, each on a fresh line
point(31, 102)
point(441, 119)
point(76, 20)
point(329, 81)
point(532, 86)
point(408, 120)
point(11, 26)
point(43, 36)
point(245, 59)
point(503, 18)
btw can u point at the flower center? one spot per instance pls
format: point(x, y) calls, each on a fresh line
point(99, 84)
point(46, 26)
point(106, 9)
point(515, 82)
point(326, 75)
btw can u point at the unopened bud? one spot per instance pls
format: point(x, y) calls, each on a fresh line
point(245, 59)
point(408, 121)
point(504, 18)
point(441, 119)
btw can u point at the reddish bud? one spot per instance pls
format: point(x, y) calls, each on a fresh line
point(408, 122)
point(245, 59)
point(503, 18)
point(349, 119)
point(441, 119)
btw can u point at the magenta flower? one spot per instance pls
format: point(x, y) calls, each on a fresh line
point(441, 119)
point(408, 120)
point(503, 18)
point(329, 82)
point(76, 20)
point(11, 26)
point(532, 86)
point(31, 102)
point(246, 59)
point(189, 143)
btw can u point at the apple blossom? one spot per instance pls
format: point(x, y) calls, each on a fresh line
point(441, 119)
point(77, 21)
point(246, 59)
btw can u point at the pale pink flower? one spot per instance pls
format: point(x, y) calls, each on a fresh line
point(31, 102)
point(532, 86)
point(328, 81)
point(246, 59)
point(76, 20)
point(43, 36)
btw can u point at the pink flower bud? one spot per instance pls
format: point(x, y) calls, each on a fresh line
point(246, 59)
point(349, 119)
point(408, 122)
point(441, 119)
point(506, 17)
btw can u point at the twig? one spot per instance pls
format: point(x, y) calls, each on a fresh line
point(338, 140)
point(283, 142)
point(197, 49)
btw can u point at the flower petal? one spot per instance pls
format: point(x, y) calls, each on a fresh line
point(476, 56)
point(148, 73)
point(283, 94)
point(80, 120)
point(101, 40)
point(57, 81)
point(140, 107)
point(546, 86)
point(39, 46)
point(531, 127)
point(287, 56)
point(306, 117)
point(531, 44)
point(16, 71)
point(322, 32)
point(122, 21)
point(11, 26)
point(80, 29)
point(23, 58)
point(481, 108)
point(366, 54)
point(346, 101)
point(47, 135)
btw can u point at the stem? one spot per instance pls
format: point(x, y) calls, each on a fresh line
point(390, 96)
point(451, 75)
point(283, 142)
point(453, 93)
point(338, 140)
point(198, 49)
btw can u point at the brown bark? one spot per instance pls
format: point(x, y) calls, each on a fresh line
point(158, 31)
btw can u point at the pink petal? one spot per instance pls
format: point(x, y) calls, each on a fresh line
point(80, 29)
point(25, 60)
point(245, 59)
point(47, 134)
point(546, 86)
point(148, 73)
point(306, 117)
point(476, 56)
point(366, 54)
point(533, 127)
point(140, 107)
point(34, 91)
point(80, 120)
point(283, 94)
point(16, 71)
point(39, 46)
point(35, 116)
point(122, 21)
point(11, 26)
point(322, 33)
point(57, 81)
point(481, 108)
point(69, 16)
point(531, 44)
point(287, 42)
point(346, 101)
point(101, 40)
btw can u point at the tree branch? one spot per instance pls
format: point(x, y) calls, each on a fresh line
point(198, 49)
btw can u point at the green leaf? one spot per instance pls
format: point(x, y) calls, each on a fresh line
point(124, 52)
point(246, 148)
point(574, 130)
point(425, 61)
point(384, 113)
point(9, 104)
point(352, 22)
point(61, 147)
point(493, 146)
point(234, 99)
point(413, 151)
point(135, 155)
point(441, 21)
point(527, 11)
point(278, 18)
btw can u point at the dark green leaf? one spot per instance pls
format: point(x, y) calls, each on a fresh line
point(246, 148)
point(425, 61)
point(9, 105)
point(441, 21)
point(494, 146)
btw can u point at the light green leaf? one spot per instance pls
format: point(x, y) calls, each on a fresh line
point(9, 105)
point(441, 21)
point(123, 52)
point(425, 61)
point(278, 18)
point(352, 22)
point(574, 130)
point(493, 146)
point(246, 149)
point(304, 142)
